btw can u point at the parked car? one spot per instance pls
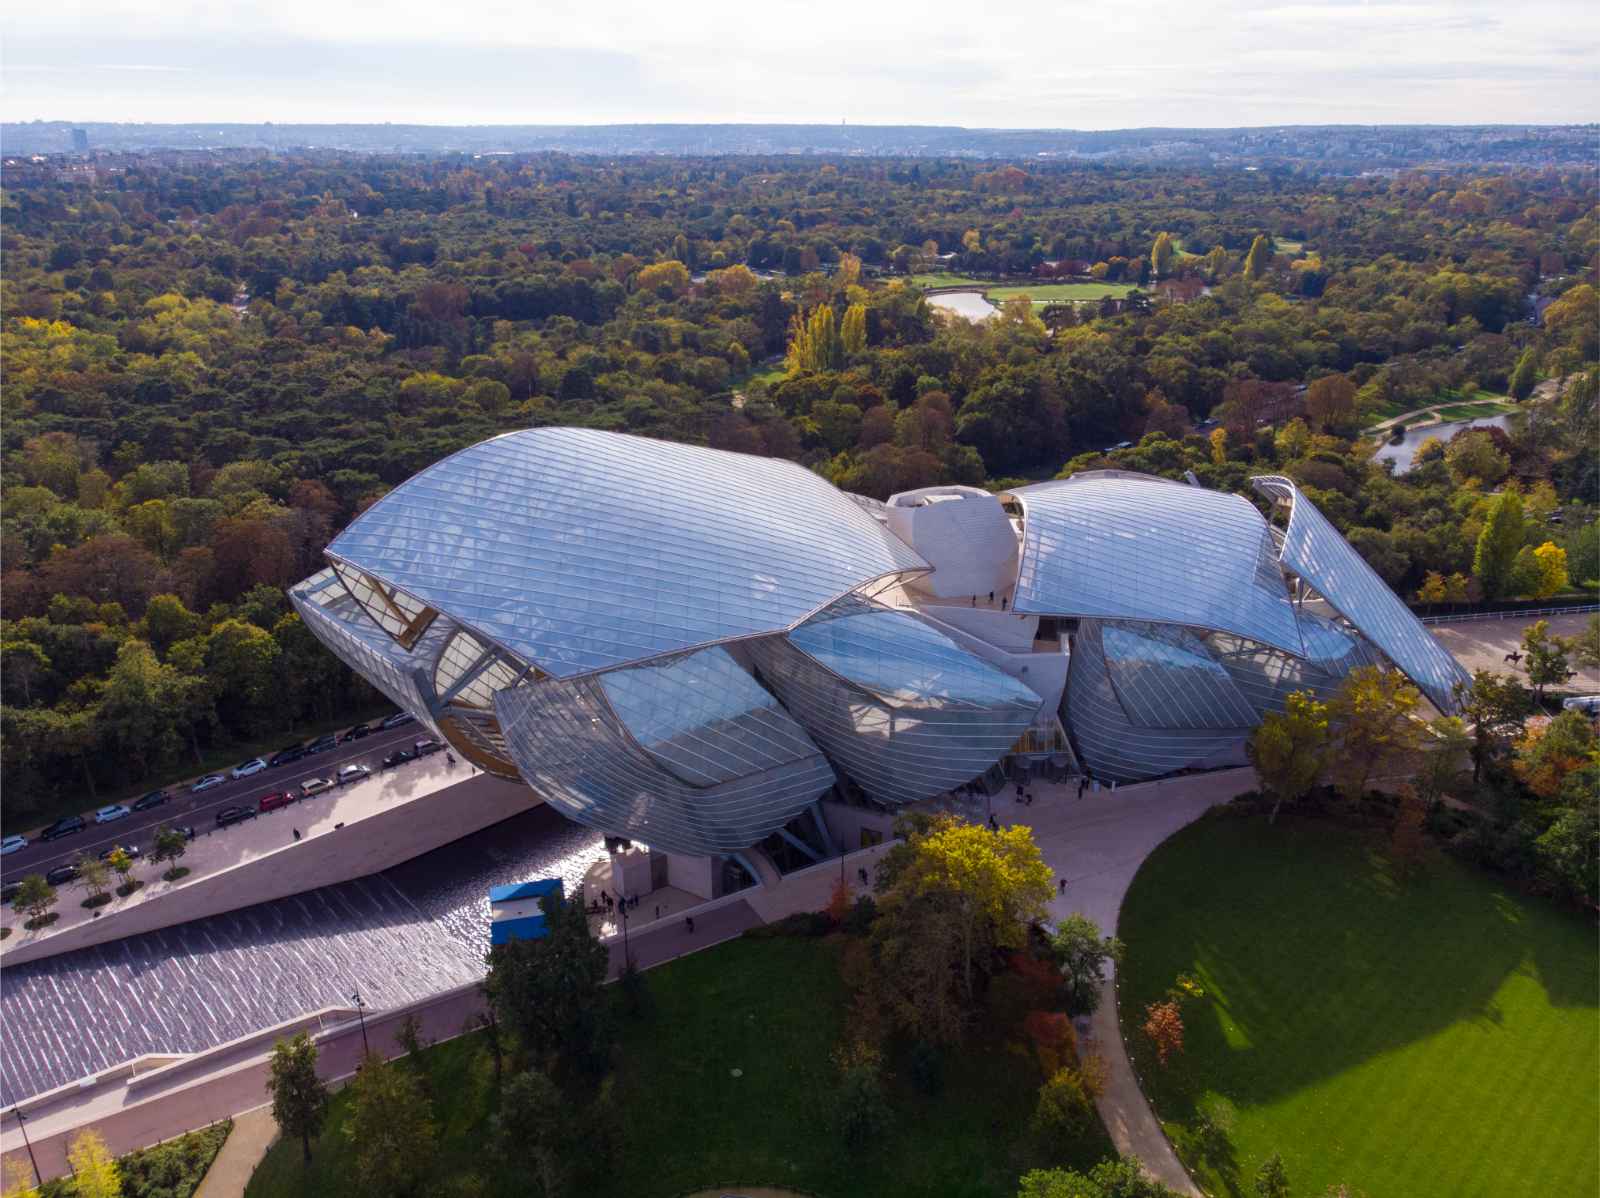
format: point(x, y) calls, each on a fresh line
point(398, 718)
point(359, 732)
point(185, 830)
point(132, 850)
point(61, 875)
point(281, 798)
point(353, 773)
point(245, 768)
point(315, 786)
point(426, 746)
point(10, 891)
point(1588, 704)
point(234, 815)
point(399, 757)
point(287, 756)
point(111, 813)
point(207, 783)
point(12, 844)
point(322, 744)
point(154, 799)
point(65, 826)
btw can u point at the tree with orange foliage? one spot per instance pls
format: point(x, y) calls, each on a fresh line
point(1163, 1024)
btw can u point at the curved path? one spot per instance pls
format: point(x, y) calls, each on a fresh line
point(1097, 844)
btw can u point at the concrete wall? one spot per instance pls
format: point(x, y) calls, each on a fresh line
point(845, 823)
point(692, 874)
point(374, 843)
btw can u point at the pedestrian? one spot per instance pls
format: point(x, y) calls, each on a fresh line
point(994, 824)
point(688, 921)
point(862, 874)
point(1083, 785)
point(1003, 602)
point(450, 760)
point(991, 596)
point(974, 601)
point(1029, 802)
point(1063, 889)
point(658, 910)
point(296, 832)
point(1019, 792)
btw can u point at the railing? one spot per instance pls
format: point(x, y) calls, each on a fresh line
point(1569, 610)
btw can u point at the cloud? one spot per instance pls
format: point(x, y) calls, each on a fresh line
point(1024, 63)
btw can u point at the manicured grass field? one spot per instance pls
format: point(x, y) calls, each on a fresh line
point(1044, 293)
point(1476, 410)
point(947, 280)
point(772, 1009)
point(1432, 1038)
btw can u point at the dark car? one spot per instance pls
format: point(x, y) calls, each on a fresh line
point(61, 875)
point(154, 799)
point(398, 757)
point(424, 747)
point(10, 891)
point(274, 801)
point(132, 850)
point(395, 720)
point(65, 826)
point(285, 756)
point(322, 744)
point(234, 815)
point(359, 732)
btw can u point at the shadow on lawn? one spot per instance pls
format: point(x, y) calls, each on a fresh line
point(1368, 963)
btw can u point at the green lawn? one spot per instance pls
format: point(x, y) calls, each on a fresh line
point(1476, 410)
point(1044, 293)
point(772, 1009)
point(1436, 1038)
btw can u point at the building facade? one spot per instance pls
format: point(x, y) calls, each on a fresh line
point(690, 647)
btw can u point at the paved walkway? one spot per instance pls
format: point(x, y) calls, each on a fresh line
point(1483, 645)
point(1098, 844)
point(246, 1146)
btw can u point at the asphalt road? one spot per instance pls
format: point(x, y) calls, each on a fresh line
point(200, 809)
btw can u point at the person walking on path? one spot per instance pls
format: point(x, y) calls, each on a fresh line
point(994, 824)
point(1083, 785)
point(688, 922)
point(296, 832)
point(1063, 887)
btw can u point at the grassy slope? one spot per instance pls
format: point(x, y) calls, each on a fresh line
point(1048, 292)
point(1436, 1038)
point(772, 1009)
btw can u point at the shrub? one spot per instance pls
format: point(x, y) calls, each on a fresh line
point(1163, 1025)
point(858, 920)
point(1064, 1113)
point(1055, 1044)
point(635, 990)
point(861, 1109)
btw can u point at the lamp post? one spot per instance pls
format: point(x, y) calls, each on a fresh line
point(627, 957)
point(361, 1008)
point(22, 1124)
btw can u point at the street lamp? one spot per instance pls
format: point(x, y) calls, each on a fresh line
point(22, 1121)
point(627, 957)
point(366, 1049)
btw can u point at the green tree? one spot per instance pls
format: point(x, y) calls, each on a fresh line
point(814, 342)
point(1289, 749)
point(1494, 561)
point(299, 1097)
point(1272, 1179)
point(35, 898)
point(170, 845)
point(853, 329)
point(548, 991)
point(122, 865)
point(1567, 853)
point(1371, 727)
point(1524, 375)
point(1544, 658)
point(1496, 706)
point(23, 664)
point(95, 1173)
point(391, 1128)
point(1122, 1178)
point(95, 878)
point(1549, 570)
point(1064, 1113)
point(1444, 758)
point(1259, 258)
point(861, 1112)
point(1081, 953)
point(1586, 645)
point(1475, 460)
point(985, 887)
point(1161, 255)
point(533, 1132)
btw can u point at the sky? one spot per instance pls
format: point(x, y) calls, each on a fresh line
point(1071, 64)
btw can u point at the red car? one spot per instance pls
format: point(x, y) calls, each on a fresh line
point(273, 801)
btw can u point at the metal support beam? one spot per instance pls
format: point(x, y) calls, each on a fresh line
point(744, 864)
point(799, 844)
point(822, 828)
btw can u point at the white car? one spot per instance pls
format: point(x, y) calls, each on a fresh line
point(1588, 704)
point(12, 844)
point(111, 814)
point(207, 783)
point(245, 768)
point(353, 773)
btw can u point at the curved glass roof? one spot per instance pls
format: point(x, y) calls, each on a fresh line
point(573, 748)
point(579, 550)
point(1314, 550)
point(1130, 547)
point(1165, 678)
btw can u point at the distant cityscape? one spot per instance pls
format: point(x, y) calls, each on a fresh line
point(1339, 148)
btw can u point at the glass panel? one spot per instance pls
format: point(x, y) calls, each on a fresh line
point(1125, 546)
point(1166, 679)
point(580, 550)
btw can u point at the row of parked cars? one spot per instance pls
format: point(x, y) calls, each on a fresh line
point(110, 814)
